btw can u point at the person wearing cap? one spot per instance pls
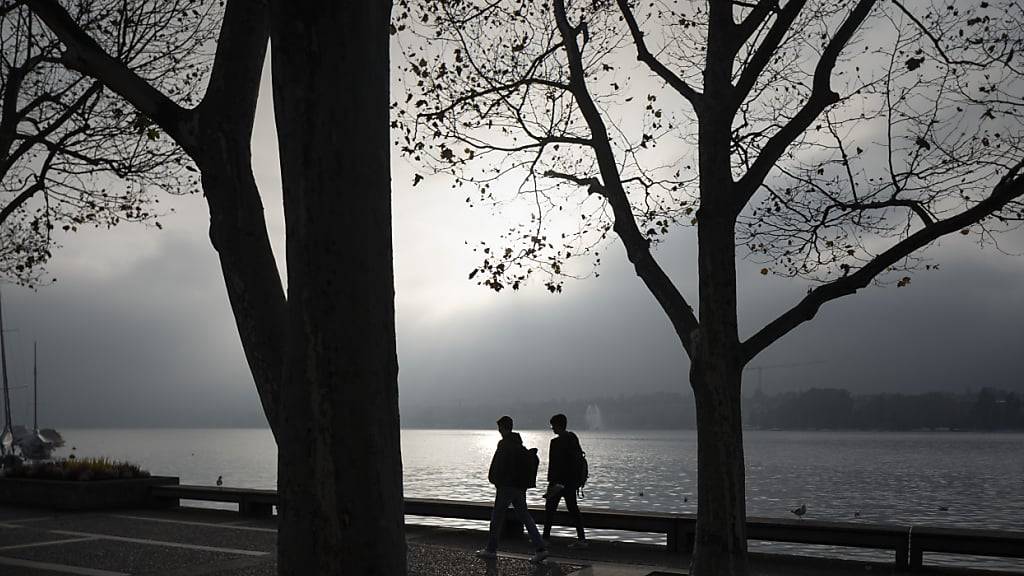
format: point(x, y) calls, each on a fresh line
point(510, 481)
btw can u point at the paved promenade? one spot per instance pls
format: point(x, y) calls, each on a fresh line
point(190, 541)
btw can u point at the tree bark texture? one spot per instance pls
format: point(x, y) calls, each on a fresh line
point(720, 546)
point(238, 233)
point(715, 375)
point(716, 362)
point(339, 469)
point(238, 230)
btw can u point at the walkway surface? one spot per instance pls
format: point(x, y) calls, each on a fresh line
point(192, 541)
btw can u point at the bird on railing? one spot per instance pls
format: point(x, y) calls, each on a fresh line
point(220, 481)
point(800, 511)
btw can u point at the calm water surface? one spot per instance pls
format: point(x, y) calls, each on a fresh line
point(954, 479)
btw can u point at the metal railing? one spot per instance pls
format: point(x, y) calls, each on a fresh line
point(908, 543)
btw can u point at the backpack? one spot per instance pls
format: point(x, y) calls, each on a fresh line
point(582, 473)
point(582, 469)
point(527, 464)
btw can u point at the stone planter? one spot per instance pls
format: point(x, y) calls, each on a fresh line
point(78, 495)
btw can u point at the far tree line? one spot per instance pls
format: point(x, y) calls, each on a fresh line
point(987, 409)
point(838, 409)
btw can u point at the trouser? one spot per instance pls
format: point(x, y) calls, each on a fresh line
point(569, 493)
point(517, 498)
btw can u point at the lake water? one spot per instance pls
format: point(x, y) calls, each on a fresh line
point(949, 479)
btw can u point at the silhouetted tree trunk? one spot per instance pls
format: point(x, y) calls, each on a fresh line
point(323, 360)
point(238, 229)
point(720, 546)
point(217, 136)
point(340, 470)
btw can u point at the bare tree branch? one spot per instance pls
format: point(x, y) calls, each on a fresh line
point(84, 54)
point(757, 16)
point(938, 45)
point(643, 54)
point(1009, 189)
point(822, 96)
point(637, 246)
point(766, 49)
point(41, 136)
point(238, 65)
point(507, 87)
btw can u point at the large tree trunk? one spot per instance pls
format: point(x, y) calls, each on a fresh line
point(716, 369)
point(238, 232)
point(720, 547)
point(238, 229)
point(339, 467)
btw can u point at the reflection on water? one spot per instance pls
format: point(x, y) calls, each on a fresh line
point(957, 479)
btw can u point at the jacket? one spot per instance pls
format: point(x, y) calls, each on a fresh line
point(507, 468)
point(563, 460)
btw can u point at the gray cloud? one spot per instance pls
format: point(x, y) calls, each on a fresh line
point(138, 331)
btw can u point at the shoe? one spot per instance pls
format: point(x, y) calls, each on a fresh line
point(539, 556)
point(486, 554)
point(579, 545)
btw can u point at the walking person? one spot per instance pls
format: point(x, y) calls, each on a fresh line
point(513, 470)
point(565, 457)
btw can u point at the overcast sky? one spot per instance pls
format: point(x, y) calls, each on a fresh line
point(138, 331)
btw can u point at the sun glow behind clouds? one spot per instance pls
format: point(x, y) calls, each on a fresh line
point(431, 231)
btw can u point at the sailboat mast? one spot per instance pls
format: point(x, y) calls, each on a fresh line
point(35, 388)
point(3, 368)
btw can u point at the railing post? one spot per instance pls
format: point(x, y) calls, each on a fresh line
point(902, 564)
point(249, 508)
point(680, 537)
point(916, 557)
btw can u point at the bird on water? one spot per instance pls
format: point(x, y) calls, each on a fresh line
point(800, 511)
point(220, 481)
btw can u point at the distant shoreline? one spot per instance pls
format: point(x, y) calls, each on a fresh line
point(585, 430)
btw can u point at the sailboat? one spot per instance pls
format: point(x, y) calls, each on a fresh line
point(35, 444)
point(7, 434)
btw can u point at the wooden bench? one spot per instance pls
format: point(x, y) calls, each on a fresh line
point(856, 535)
point(251, 502)
point(1001, 543)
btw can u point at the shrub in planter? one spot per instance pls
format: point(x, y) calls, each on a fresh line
point(81, 470)
point(81, 484)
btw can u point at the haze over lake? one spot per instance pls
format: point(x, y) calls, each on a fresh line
point(942, 478)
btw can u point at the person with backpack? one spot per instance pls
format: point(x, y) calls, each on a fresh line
point(567, 472)
point(513, 470)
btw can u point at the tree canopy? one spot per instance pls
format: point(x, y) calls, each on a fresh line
point(823, 139)
point(74, 154)
point(851, 125)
